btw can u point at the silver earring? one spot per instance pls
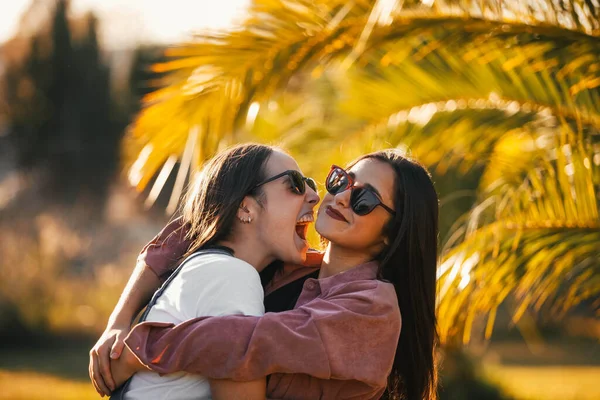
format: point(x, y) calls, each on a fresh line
point(245, 220)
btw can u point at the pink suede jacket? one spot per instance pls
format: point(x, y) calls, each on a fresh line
point(338, 342)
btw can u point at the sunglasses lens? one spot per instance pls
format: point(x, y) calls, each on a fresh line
point(311, 183)
point(336, 181)
point(297, 182)
point(363, 201)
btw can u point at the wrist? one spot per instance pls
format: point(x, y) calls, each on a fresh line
point(119, 322)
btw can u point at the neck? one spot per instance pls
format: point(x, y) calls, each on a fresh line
point(338, 259)
point(247, 248)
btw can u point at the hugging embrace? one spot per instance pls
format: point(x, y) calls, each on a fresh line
point(244, 310)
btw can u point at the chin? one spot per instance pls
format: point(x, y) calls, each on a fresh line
point(301, 259)
point(324, 232)
point(320, 226)
point(293, 256)
point(300, 256)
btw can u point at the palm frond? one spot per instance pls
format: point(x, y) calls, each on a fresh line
point(473, 62)
point(537, 243)
point(518, 153)
point(462, 93)
point(213, 80)
point(512, 86)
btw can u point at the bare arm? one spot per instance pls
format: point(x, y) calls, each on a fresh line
point(224, 389)
point(138, 291)
point(142, 283)
point(157, 259)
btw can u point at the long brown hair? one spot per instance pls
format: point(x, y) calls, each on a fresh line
point(409, 262)
point(212, 202)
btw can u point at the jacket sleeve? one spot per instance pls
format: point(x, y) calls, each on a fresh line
point(163, 252)
point(351, 335)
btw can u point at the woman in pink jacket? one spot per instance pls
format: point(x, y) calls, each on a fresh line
point(340, 337)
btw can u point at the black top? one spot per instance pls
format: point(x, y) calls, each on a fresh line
point(285, 298)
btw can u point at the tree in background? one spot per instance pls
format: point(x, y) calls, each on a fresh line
point(61, 117)
point(64, 118)
point(507, 92)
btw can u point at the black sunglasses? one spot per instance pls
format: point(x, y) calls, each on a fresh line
point(363, 199)
point(298, 181)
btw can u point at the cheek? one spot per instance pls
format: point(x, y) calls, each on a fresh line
point(289, 206)
point(371, 233)
point(361, 234)
point(365, 233)
point(323, 224)
point(281, 214)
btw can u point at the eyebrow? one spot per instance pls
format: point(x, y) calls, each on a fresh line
point(367, 185)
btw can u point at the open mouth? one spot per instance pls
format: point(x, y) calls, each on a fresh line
point(302, 225)
point(302, 230)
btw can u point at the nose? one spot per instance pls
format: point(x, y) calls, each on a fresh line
point(343, 198)
point(311, 196)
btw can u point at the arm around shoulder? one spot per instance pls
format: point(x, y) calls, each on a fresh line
point(351, 335)
point(163, 252)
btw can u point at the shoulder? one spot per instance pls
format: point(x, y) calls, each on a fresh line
point(218, 284)
point(219, 265)
point(215, 274)
point(366, 286)
point(370, 294)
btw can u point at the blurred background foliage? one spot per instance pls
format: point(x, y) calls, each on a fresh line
point(499, 99)
point(505, 92)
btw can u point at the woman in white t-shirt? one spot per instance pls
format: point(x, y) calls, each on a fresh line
point(249, 206)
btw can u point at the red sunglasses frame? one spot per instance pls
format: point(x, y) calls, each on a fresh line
point(351, 185)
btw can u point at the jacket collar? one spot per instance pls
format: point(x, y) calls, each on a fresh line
point(362, 272)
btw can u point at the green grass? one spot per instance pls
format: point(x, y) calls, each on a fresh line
point(555, 368)
point(564, 383)
point(55, 370)
point(550, 383)
point(26, 385)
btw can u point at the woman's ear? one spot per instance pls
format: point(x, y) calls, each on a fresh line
point(247, 211)
point(243, 214)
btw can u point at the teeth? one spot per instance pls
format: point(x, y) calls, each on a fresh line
point(306, 218)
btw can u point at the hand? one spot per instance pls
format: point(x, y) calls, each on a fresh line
point(124, 367)
point(109, 346)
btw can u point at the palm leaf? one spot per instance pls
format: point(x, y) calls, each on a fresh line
point(214, 79)
point(538, 243)
point(463, 83)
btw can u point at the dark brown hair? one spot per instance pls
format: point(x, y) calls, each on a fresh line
point(211, 204)
point(409, 262)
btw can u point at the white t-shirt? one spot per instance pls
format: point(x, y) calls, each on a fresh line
point(207, 285)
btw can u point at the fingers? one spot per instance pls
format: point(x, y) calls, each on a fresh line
point(91, 373)
point(104, 367)
point(97, 376)
point(117, 348)
point(110, 345)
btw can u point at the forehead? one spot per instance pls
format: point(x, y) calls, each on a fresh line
point(376, 173)
point(279, 162)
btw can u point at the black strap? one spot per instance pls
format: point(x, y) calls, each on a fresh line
point(166, 284)
point(119, 394)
